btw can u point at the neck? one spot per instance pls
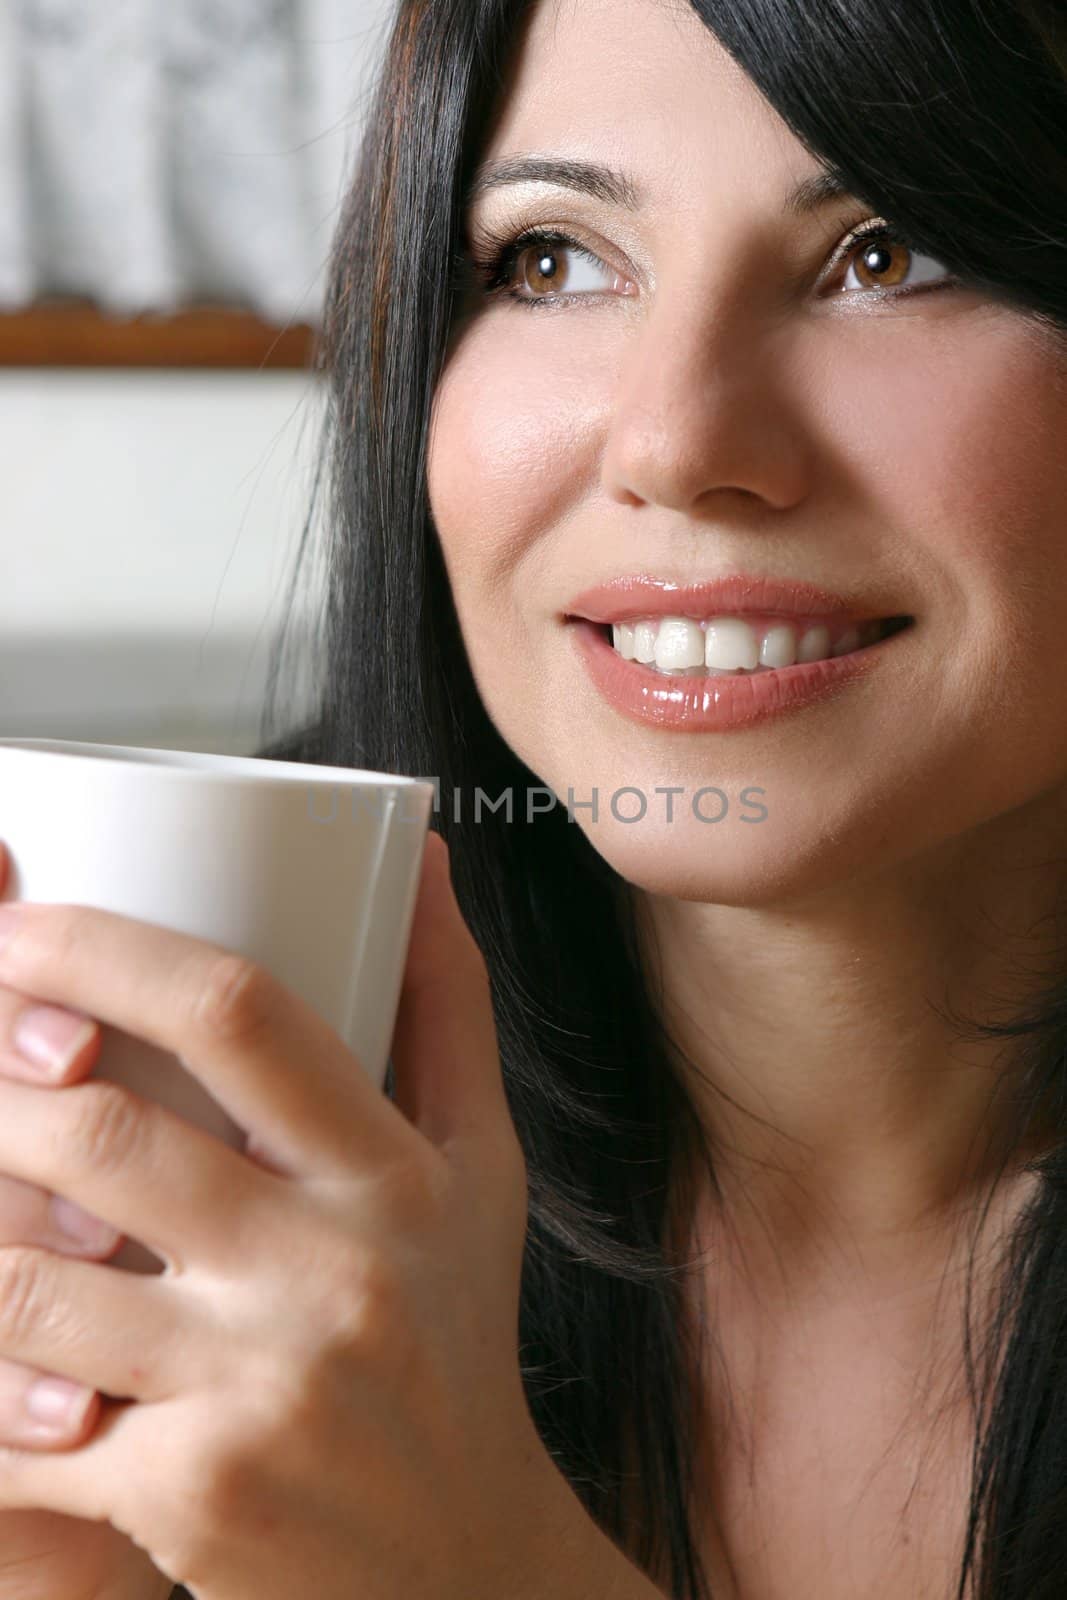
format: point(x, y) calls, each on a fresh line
point(850, 1124)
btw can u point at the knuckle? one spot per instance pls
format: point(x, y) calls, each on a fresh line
point(65, 931)
point(367, 1309)
point(236, 999)
point(217, 1494)
point(185, 1520)
point(177, 1506)
point(23, 1290)
point(212, 1493)
point(304, 1402)
point(104, 1129)
point(352, 1297)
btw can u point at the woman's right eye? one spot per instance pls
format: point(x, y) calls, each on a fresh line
point(543, 259)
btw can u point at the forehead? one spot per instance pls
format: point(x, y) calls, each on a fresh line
point(644, 85)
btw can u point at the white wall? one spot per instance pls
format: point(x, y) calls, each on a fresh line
point(148, 521)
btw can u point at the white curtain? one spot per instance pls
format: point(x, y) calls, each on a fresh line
point(155, 153)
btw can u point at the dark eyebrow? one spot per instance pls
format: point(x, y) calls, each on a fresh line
point(618, 188)
point(814, 192)
point(603, 183)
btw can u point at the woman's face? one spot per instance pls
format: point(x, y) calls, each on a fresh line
point(712, 401)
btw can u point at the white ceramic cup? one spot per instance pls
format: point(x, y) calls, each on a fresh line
point(310, 871)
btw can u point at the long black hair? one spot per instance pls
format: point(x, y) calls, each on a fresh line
point(950, 118)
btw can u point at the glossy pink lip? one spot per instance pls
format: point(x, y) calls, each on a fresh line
point(721, 703)
point(626, 598)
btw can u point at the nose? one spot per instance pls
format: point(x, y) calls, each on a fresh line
point(706, 405)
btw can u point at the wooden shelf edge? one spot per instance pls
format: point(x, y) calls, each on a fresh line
point(72, 334)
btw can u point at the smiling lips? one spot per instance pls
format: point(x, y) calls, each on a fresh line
point(707, 657)
point(718, 700)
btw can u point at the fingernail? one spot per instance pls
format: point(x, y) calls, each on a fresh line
point(79, 1225)
point(57, 1403)
point(50, 1037)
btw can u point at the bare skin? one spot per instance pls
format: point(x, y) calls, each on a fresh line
point(43, 1555)
point(709, 403)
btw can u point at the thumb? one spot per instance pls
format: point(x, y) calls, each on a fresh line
point(446, 1060)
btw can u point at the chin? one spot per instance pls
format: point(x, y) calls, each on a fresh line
point(730, 863)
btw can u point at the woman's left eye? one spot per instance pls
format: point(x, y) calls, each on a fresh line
point(878, 259)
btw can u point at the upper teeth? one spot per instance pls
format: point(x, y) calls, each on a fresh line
point(730, 644)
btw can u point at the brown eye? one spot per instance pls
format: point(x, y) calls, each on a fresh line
point(541, 267)
point(882, 262)
point(550, 267)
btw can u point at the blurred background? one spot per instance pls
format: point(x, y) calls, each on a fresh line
point(170, 177)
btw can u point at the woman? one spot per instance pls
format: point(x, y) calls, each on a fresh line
point(775, 982)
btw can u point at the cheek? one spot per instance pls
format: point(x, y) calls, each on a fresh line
point(505, 457)
point(964, 454)
point(506, 469)
point(964, 462)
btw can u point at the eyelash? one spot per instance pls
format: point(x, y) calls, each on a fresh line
point(495, 259)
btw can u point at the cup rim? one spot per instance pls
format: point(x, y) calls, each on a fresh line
point(210, 766)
